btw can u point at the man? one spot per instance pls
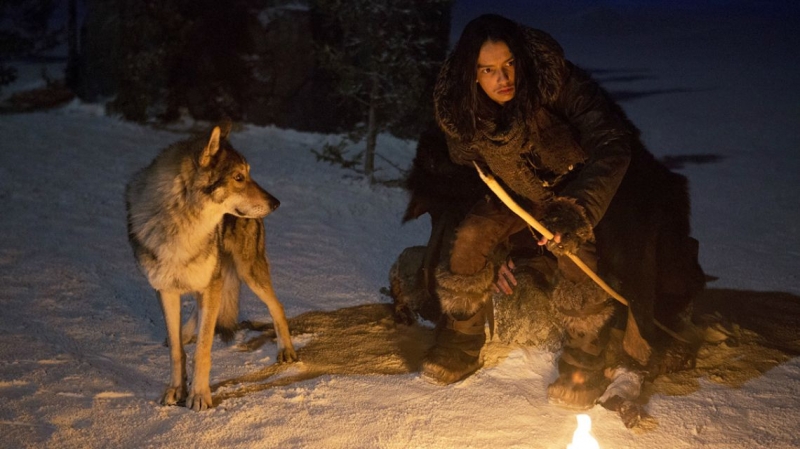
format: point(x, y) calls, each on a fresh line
point(508, 100)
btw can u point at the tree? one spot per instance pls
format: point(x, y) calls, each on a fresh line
point(151, 35)
point(25, 31)
point(384, 55)
point(71, 74)
point(205, 58)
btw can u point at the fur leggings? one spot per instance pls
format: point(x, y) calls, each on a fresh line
point(464, 285)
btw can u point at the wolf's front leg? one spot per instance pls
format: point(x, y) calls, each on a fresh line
point(259, 280)
point(286, 352)
point(171, 307)
point(208, 304)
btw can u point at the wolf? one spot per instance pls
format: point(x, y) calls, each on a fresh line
point(195, 226)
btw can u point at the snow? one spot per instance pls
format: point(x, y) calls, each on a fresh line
point(82, 361)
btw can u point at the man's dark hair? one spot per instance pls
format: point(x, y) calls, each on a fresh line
point(468, 99)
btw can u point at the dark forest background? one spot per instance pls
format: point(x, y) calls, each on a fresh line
point(354, 67)
point(321, 65)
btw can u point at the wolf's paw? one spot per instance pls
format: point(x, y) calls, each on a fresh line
point(173, 395)
point(199, 400)
point(287, 355)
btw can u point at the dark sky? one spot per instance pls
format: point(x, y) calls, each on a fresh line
point(545, 14)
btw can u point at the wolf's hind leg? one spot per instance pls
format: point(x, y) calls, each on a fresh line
point(228, 318)
point(228, 312)
point(189, 329)
point(171, 307)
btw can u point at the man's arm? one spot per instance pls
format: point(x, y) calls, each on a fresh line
point(604, 133)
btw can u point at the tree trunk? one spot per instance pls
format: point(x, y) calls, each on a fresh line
point(72, 75)
point(372, 132)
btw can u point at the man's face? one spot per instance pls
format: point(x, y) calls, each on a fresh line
point(496, 71)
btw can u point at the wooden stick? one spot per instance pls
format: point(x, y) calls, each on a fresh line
point(642, 349)
point(517, 209)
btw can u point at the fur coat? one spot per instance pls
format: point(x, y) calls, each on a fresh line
point(580, 147)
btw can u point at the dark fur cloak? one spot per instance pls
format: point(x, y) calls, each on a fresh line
point(639, 209)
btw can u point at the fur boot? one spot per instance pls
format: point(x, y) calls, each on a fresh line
point(586, 312)
point(460, 333)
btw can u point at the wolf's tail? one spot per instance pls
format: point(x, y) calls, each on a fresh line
point(228, 318)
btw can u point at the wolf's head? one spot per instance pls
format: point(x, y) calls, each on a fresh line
point(225, 176)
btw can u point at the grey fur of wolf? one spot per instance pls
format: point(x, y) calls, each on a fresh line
point(195, 226)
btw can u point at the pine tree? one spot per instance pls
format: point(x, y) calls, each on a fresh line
point(24, 31)
point(383, 55)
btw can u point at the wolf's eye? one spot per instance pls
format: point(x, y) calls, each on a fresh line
point(238, 177)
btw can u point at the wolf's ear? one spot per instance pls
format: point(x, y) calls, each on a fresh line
point(211, 149)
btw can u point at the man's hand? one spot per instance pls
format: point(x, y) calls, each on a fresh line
point(544, 241)
point(565, 216)
point(505, 278)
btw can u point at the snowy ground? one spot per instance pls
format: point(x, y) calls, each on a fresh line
point(81, 357)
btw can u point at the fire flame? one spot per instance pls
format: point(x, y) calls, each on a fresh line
point(582, 438)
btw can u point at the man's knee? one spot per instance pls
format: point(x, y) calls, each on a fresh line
point(472, 244)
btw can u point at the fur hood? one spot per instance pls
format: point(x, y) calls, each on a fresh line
point(550, 65)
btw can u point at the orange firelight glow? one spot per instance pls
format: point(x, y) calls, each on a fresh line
point(582, 438)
